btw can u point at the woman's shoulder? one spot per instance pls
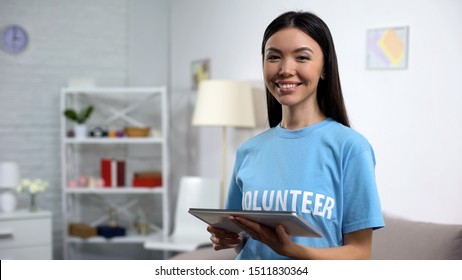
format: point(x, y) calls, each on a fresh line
point(259, 137)
point(346, 136)
point(257, 140)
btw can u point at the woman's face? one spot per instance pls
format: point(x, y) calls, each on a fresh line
point(292, 66)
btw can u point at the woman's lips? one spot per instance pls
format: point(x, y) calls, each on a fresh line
point(287, 86)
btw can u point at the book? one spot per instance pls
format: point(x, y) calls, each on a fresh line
point(113, 172)
point(106, 172)
point(120, 177)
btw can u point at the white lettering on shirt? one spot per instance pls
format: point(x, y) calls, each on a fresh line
point(330, 203)
point(247, 200)
point(255, 197)
point(278, 200)
point(267, 204)
point(318, 204)
point(306, 202)
point(281, 201)
point(294, 194)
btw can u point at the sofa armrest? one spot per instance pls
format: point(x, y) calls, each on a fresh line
point(402, 239)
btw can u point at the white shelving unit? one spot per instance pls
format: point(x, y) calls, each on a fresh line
point(114, 108)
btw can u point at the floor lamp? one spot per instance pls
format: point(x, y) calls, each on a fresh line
point(224, 104)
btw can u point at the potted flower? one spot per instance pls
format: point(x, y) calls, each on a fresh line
point(33, 187)
point(79, 118)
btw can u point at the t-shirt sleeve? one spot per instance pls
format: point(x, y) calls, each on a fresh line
point(362, 207)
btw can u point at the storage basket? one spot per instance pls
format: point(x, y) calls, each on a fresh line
point(137, 131)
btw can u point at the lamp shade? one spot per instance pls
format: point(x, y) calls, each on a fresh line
point(224, 103)
point(9, 175)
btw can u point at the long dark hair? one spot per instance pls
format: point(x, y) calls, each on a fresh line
point(329, 92)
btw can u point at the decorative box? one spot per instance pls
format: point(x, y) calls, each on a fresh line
point(110, 231)
point(137, 131)
point(82, 230)
point(147, 179)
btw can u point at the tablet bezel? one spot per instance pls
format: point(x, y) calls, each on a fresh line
point(294, 224)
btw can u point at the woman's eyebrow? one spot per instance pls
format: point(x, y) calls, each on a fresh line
point(271, 49)
point(303, 49)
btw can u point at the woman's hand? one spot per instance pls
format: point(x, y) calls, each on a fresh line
point(277, 238)
point(223, 239)
point(357, 245)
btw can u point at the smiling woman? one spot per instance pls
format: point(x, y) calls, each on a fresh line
point(309, 161)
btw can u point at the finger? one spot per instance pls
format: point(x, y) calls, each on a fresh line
point(224, 244)
point(225, 241)
point(249, 230)
point(255, 226)
point(218, 247)
point(259, 232)
point(212, 229)
point(250, 225)
point(282, 234)
point(222, 233)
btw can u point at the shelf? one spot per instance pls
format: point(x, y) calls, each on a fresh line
point(131, 238)
point(115, 107)
point(121, 190)
point(115, 90)
point(124, 140)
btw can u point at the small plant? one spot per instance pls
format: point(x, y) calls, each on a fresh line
point(32, 186)
point(80, 117)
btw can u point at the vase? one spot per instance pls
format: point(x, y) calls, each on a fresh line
point(80, 131)
point(33, 202)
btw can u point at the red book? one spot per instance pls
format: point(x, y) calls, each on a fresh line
point(120, 173)
point(106, 172)
point(113, 172)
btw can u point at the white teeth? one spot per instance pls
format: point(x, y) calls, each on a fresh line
point(285, 86)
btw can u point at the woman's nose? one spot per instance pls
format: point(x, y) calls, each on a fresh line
point(286, 68)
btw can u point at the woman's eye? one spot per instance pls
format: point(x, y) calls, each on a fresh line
point(303, 58)
point(272, 57)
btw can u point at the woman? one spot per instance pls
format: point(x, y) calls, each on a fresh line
point(309, 161)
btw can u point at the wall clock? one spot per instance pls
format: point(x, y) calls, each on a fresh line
point(14, 39)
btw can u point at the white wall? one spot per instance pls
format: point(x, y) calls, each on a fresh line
point(68, 39)
point(115, 42)
point(411, 117)
point(148, 43)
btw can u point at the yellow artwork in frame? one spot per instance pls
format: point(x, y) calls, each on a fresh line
point(200, 72)
point(387, 48)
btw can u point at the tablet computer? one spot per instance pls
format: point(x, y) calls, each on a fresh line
point(294, 224)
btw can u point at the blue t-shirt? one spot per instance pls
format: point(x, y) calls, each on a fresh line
point(324, 172)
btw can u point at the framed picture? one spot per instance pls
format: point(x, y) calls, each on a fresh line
point(200, 70)
point(387, 48)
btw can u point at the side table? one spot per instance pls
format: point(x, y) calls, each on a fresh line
point(26, 235)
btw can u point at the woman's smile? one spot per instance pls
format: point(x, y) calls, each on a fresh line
point(287, 86)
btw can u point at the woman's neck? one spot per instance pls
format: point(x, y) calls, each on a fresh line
point(296, 119)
